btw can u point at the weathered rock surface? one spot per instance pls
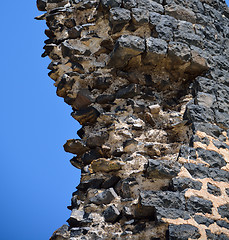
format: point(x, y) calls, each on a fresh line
point(148, 81)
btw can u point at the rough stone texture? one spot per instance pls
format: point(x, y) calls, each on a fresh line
point(148, 81)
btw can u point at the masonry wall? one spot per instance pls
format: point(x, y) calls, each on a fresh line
point(149, 83)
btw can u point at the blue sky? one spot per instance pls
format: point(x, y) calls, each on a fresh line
point(36, 178)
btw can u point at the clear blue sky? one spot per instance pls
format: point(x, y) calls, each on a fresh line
point(36, 178)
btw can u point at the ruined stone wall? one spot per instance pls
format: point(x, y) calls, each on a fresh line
point(149, 83)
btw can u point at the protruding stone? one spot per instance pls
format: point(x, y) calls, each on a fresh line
point(61, 233)
point(86, 116)
point(75, 146)
point(183, 232)
point(162, 168)
point(128, 92)
point(105, 165)
point(180, 13)
point(126, 47)
point(111, 214)
point(155, 109)
point(104, 197)
point(196, 204)
point(41, 5)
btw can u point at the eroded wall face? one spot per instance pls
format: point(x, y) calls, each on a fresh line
point(149, 83)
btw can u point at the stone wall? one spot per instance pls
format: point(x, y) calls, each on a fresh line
point(149, 83)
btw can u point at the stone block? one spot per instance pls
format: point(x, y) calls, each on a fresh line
point(211, 157)
point(126, 47)
point(105, 165)
point(180, 12)
point(111, 214)
point(182, 232)
point(104, 197)
point(140, 16)
point(181, 184)
point(224, 210)
point(196, 204)
point(75, 146)
point(86, 116)
point(41, 5)
point(162, 168)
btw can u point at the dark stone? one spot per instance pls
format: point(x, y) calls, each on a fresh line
point(154, 18)
point(219, 175)
point(227, 191)
point(209, 129)
point(86, 116)
point(156, 50)
point(150, 201)
point(126, 47)
point(77, 231)
point(102, 83)
point(69, 23)
point(220, 144)
point(41, 5)
point(196, 204)
point(182, 232)
point(75, 146)
point(104, 197)
point(139, 228)
point(118, 18)
point(197, 170)
point(70, 51)
point(127, 213)
point(179, 52)
point(103, 99)
point(75, 202)
point(123, 187)
point(211, 157)
point(88, 157)
point(140, 16)
point(165, 28)
point(203, 220)
point(64, 85)
point(206, 85)
point(185, 33)
point(92, 183)
point(223, 223)
point(187, 152)
point(76, 162)
point(224, 210)
point(130, 91)
point(111, 182)
point(80, 132)
point(111, 3)
point(151, 6)
point(97, 140)
point(111, 214)
point(196, 113)
point(214, 190)
point(170, 213)
point(130, 4)
point(212, 236)
point(180, 12)
point(162, 168)
point(83, 99)
point(79, 218)
point(75, 32)
point(60, 232)
point(180, 184)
